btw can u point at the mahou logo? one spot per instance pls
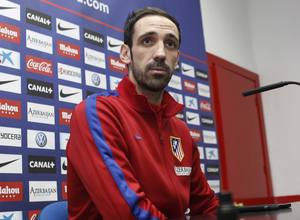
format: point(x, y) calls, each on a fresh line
point(39, 65)
point(10, 109)
point(196, 135)
point(64, 190)
point(65, 116)
point(115, 64)
point(190, 86)
point(68, 50)
point(9, 33)
point(11, 191)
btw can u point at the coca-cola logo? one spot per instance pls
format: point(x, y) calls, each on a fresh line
point(39, 65)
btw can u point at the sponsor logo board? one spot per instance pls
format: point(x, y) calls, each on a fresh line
point(201, 152)
point(40, 88)
point(94, 79)
point(63, 165)
point(215, 185)
point(114, 44)
point(191, 102)
point(187, 70)
point(10, 83)
point(211, 153)
point(192, 118)
point(94, 58)
point(11, 163)
point(11, 191)
point(10, 9)
point(41, 191)
point(209, 137)
point(33, 214)
point(10, 136)
point(63, 140)
point(67, 29)
point(196, 135)
point(64, 190)
point(201, 75)
point(68, 72)
point(40, 113)
point(205, 106)
point(11, 215)
point(115, 64)
point(68, 50)
point(178, 97)
point(69, 94)
point(113, 82)
point(93, 37)
point(9, 33)
point(175, 82)
point(203, 90)
point(39, 42)
point(65, 116)
point(38, 139)
point(208, 121)
point(39, 65)
point(10, 109)
point(190, 86)
point(38, 18)
point(41, 164)
point(9, 58)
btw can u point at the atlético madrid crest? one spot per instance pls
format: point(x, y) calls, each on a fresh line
point(176, 147)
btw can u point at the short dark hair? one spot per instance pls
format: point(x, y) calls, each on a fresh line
point(136, 15)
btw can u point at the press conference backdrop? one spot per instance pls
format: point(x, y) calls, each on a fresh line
point(53, 54)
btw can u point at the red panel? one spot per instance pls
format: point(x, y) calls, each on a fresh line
point(240, 127)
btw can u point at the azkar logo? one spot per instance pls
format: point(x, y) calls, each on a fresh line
point(176, 147)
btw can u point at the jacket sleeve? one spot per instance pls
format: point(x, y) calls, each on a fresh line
point(98, 152)
point(203, 199)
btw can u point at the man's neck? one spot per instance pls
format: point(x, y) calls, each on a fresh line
point(152, 97)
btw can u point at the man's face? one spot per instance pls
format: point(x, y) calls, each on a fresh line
point(154, 52)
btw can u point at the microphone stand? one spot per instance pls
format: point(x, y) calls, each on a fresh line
point(269, 87)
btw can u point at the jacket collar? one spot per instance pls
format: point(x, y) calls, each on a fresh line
point(168, 108)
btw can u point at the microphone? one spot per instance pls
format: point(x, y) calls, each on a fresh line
point(269, 87)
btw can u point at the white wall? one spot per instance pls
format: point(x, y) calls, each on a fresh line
point(263, 36)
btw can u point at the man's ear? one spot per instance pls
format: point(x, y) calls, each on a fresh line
point(125, 54)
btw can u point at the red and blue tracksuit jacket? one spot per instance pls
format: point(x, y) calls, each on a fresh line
point(128, 159)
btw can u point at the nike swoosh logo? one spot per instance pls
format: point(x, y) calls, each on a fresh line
point(4, 8)
point(64, 166)
point(64, 28)
point(8, 162)
point(191, 118)
point(7, 81)
point(64, 95)
point(185, 70)
point(113, 45)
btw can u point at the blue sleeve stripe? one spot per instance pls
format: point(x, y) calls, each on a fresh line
point(96, 130)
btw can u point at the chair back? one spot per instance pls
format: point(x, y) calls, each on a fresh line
point(54, 211)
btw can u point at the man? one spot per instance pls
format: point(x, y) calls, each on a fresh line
point(129, 157)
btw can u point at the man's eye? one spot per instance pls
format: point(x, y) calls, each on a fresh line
point(147, 41)
point(171, 44)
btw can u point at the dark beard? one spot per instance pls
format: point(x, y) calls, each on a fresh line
point(154, 83)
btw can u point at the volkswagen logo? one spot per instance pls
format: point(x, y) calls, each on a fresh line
point(41, 139)
point(96, 79)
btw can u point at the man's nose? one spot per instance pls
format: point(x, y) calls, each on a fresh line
point(160, 53)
